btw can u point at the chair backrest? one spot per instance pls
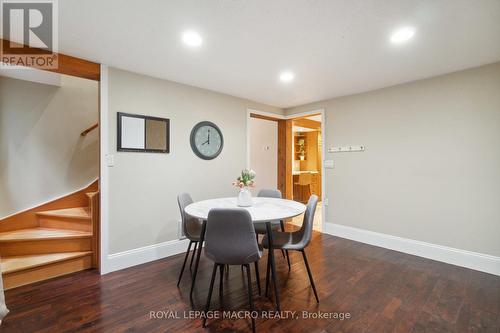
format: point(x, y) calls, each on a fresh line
point(184, 199)
point(269, 193)
point(230, 237)
point(305, 232)
point(305, 179)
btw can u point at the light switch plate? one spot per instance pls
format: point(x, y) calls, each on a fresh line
point(328, 164)
point(110, 159)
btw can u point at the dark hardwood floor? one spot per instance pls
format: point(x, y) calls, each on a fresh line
point(382, 290)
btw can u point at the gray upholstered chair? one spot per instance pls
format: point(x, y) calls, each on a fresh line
point(230, 240)
point(191, 227)
point(297, 240)
point(260, 228)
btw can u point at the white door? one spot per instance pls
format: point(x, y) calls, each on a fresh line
point(264, 152)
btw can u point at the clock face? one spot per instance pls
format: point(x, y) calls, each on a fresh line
point(206, 140)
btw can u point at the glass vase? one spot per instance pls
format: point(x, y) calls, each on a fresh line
point(244, 197)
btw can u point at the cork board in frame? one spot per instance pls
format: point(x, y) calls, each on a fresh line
point(142, 134)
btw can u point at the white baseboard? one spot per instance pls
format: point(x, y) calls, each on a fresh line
point(473, 260)
point(145, 254)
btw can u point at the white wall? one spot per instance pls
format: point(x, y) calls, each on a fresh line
point(431, 169)
point(42, 155)
point(264, 152)
point(143, 187)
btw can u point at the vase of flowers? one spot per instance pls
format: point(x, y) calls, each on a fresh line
point(243, 182)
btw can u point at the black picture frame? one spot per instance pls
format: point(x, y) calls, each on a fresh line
point(193, 143)
point(119, 147)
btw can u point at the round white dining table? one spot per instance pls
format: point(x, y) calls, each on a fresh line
point(263, 210)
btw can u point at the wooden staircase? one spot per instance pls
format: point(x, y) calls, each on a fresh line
point(45, 242)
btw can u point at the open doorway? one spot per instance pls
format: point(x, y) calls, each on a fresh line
point(287, 153)
point(307, 155)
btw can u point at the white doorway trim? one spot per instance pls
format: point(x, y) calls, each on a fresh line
point(104, 170)
point(265, 113)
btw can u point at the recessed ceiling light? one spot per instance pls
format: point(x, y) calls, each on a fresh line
point(192, 38)
point(402, 35)
point(287, 76)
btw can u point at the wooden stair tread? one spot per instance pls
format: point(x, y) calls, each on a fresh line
point(42, 233)
point(19, 263)
point(76, 213)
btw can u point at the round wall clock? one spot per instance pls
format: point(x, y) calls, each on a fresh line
point(206, 140)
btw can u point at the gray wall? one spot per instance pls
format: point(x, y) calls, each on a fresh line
point(42, 155)
point(143, 186)
point(431, 169)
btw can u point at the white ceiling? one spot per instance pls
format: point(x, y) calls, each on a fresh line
point(334, 47)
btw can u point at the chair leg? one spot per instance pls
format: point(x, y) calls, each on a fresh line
point(310, 275)
point(268, 270)
point(288, 259)
point(184, 264)
point(197, 261)
point(250, 295)
point(207, 306)
point(276, 289)
point(257, 275)
point(221, 283)
point(282, 224)
point(192, 256)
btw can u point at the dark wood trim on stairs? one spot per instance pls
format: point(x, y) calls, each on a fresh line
point(89, 129)
point(94, 205)
point(69, 65)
